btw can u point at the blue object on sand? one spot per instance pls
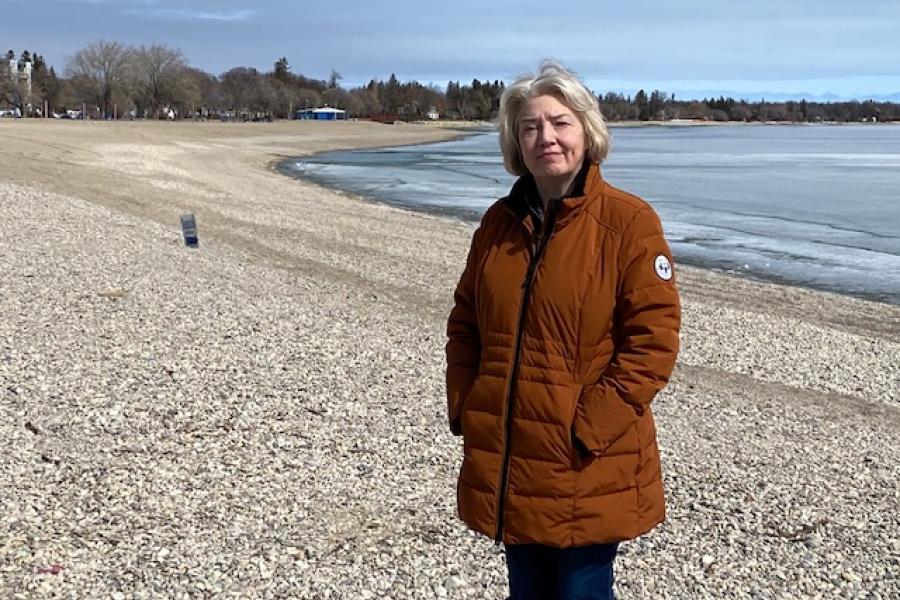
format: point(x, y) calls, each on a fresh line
point(189, 228)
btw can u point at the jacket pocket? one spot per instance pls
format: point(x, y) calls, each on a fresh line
point(581, 457)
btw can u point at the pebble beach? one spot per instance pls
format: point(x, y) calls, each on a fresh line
point(264, 416)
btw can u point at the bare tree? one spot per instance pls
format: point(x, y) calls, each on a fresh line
point(160, 77)
point(306, 97)
point(100, 72)
point(11, 92)
point(209, 96)
point(239, 87)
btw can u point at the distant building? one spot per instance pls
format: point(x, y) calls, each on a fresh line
point(325, 113)
point(20, 74)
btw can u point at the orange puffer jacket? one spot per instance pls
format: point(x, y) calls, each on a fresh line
point(558, 341)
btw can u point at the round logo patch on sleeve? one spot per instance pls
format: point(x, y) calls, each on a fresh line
point(663, 267)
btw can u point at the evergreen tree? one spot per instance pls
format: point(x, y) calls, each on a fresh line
point(643, 105)
point(282, 69)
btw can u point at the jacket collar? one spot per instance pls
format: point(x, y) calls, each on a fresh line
point(524, 194)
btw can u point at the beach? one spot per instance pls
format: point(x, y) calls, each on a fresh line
point(264, 416)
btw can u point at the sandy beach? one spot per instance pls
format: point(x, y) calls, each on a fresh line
point(264, 416)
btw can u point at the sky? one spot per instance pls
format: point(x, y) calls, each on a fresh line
point(697, 48)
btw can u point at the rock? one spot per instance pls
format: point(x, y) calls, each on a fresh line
point(851, 577)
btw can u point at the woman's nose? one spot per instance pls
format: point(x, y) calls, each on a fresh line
point(546, 134)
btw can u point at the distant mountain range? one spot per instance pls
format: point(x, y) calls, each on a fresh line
point(784, 97)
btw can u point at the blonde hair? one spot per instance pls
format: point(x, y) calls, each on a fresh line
point(553, 79)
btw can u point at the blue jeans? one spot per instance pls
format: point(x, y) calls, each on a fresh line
point(538, 572)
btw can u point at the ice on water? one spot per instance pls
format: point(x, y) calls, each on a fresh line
point(811, 205)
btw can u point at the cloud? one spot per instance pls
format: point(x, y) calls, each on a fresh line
point(157, 8)
point(117, 2)
point(197, 15)
point(804, 45)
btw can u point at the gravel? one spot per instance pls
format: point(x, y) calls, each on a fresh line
point(181, 423)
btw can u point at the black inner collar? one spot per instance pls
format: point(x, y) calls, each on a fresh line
point(525, 199)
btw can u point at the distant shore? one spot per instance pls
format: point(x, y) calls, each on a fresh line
point(487, 125)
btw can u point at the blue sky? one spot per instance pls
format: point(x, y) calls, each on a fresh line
point(693, 48)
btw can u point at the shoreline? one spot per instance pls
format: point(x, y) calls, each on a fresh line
point(472, 217)
point(276, 163)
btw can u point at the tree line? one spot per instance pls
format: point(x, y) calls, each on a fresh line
point(117, 81)
point(660, 106)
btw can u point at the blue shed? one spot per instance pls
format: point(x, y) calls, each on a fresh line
point(322, 114)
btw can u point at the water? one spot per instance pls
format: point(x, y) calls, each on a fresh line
point(817, 206)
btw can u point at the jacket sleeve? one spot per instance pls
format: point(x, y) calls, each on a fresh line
point(646, 323)
point(464, 344)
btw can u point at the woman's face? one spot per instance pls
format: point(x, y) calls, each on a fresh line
point(551, 138)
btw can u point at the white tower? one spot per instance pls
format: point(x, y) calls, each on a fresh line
point(26, 75)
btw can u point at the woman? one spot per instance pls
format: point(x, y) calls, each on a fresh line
point(565, 326)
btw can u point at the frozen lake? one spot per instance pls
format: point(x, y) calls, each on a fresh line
point(817, 206)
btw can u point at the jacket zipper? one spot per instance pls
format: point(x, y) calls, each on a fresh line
point(537, 252)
